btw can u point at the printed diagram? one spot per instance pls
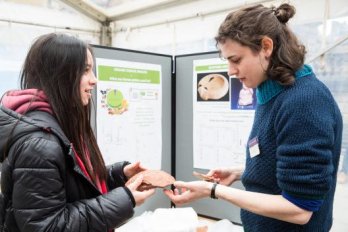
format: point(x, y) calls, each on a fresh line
point(129, 111)
point(223, 112)
point(219, 145)
point(113, 100)
point(143, 94)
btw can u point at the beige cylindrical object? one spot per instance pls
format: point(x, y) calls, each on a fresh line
point(212, 86)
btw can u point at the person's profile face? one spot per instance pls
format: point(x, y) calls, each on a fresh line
point(88, 80)
point(246, 65)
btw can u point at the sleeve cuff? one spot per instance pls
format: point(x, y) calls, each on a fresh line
point(116, 177)
point(130, 195)
point(307, 204)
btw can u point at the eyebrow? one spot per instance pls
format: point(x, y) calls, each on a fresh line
point(230, 57)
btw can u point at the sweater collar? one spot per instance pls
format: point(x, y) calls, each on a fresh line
point(271, 88)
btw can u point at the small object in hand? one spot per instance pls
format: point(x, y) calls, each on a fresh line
point(153, 179)
point(203, 176)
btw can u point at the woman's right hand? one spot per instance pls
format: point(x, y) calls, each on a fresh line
point(139, 196)
point(225, 176)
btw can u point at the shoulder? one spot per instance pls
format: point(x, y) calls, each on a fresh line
point(308, 103)
point(41, 147)
point(307, 93)
point(37, 150)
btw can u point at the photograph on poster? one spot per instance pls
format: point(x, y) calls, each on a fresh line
point(242, 97)
point(212, 87)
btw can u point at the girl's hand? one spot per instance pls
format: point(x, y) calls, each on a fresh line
point(139, 196)
point(132, 169)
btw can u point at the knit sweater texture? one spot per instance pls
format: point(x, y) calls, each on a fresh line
point(299, 134)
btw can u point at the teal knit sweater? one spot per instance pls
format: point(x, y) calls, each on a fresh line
point(299, 133)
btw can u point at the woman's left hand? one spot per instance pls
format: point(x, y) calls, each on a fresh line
point(132, 169)
point(186, 192)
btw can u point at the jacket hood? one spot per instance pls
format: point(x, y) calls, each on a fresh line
point(14, 126)
point(26, 100)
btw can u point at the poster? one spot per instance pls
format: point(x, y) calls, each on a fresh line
point(223, 113)
point(129, 112)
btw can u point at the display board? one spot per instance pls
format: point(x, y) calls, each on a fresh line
point(176, 159)
point(139, 84)
point(184, 135)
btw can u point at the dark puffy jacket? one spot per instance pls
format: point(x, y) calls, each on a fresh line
point(43, 187)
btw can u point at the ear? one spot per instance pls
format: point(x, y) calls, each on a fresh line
point(267, 46)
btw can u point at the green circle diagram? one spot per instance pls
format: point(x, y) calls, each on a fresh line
point(114, 99)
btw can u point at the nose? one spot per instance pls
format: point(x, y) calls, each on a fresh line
point(93, 80)
point(232, 70)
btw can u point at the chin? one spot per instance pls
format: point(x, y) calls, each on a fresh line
point(248, 85)
point(85, 103)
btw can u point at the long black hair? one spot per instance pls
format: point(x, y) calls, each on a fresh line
point(55, 64)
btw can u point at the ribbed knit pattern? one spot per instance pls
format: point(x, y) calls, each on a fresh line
point(299, 130)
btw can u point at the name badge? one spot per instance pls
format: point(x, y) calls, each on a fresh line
point(254, 147)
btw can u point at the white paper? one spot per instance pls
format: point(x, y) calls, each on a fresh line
point(224, 226)
point(129, 112)
point(221, 126)
point(163, 220)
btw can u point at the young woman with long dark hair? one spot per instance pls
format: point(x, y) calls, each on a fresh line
point(53, 174)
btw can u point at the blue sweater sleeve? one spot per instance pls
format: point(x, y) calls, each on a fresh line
point(310, 205)
point(305, 128)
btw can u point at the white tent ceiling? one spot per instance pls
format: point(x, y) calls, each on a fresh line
point(128, 22)
point(115, 10)
point(111, 10)
point(136, 13)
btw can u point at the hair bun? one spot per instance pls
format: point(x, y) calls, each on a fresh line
point(284, 12)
